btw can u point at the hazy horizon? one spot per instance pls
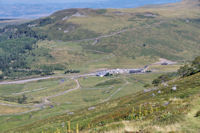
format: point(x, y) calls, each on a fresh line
point(79, 1)
point(39, 8)
point(47, 1)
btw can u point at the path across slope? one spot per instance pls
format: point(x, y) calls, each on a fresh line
point(65, 92)
point(45, 101)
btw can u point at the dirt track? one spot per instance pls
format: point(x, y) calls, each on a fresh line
point(45, 101)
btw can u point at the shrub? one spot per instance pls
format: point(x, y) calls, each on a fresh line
point(188, 70)
point(161, 79)
point(197, 114)
point(196, 63)
point(147, 85)
point(1, 76)
point(22, 99)
point(72, 71)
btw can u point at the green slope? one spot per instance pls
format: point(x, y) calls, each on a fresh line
point(124, 36)
point(170, 109)
point(88, 39)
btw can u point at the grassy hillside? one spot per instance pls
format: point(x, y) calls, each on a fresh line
point(124, 37)
point(92, 91)
point(159, 110)
point(88, 39)
point(119, 103)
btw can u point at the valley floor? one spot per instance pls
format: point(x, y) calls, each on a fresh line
point(94, 42)
point(59, 94)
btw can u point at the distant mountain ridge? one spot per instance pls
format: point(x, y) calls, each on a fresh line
point(31, 9)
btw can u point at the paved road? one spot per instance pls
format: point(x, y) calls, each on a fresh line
point(43, 78)
point(51, 77)
point(26, 80)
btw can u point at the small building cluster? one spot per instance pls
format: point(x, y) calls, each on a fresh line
point(104, 73)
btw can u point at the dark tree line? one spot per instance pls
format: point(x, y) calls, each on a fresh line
point(16, 44)
point(19, 31)
point(13, 52)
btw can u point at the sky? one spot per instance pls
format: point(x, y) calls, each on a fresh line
point(46, 1)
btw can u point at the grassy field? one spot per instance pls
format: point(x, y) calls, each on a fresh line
point(6, 110)
point(35, 91)
point(167, 111)
point(73, 56)
point(105, 39)
point(92, 91)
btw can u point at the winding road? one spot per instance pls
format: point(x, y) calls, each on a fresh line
point(65, 92)
point(45, 101)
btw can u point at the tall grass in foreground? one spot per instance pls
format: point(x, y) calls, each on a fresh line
point(138, 113)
